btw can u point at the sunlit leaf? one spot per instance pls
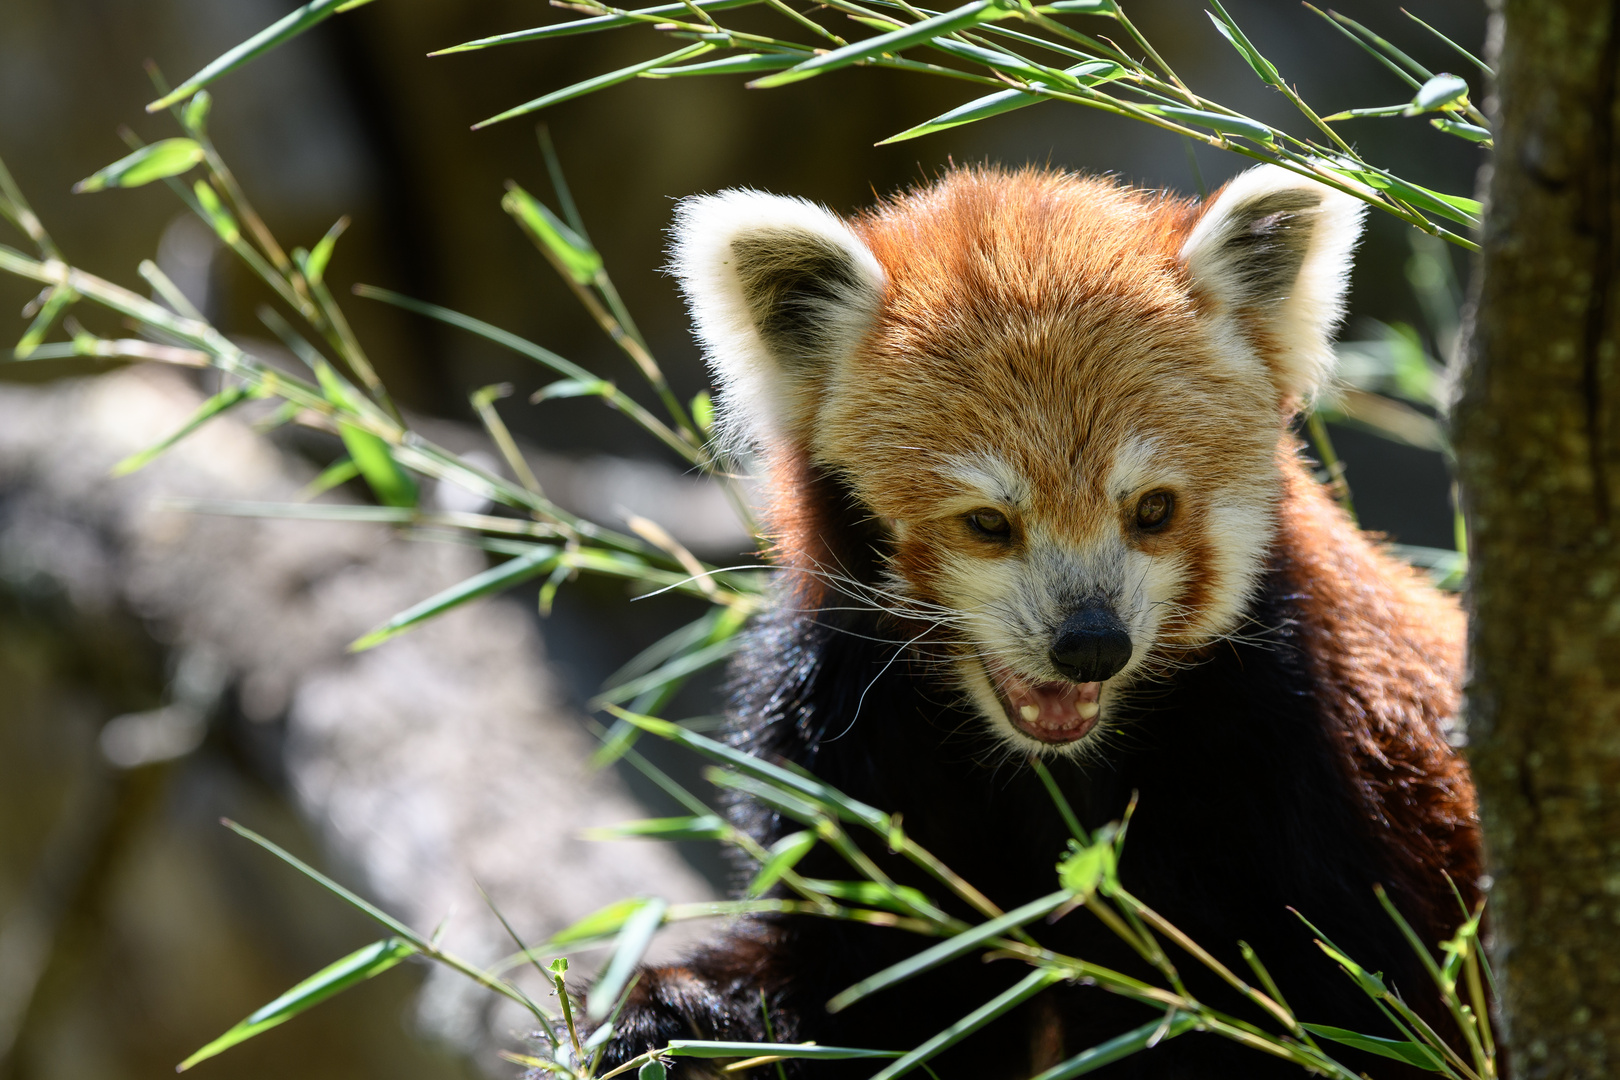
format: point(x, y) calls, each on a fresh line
point(690, 827)
point(1399, 1049)
point(226, 399)
point(588, 86)
point(962, 18)
point(593, 24)
point(1240, 41)
point(315, 264)
point(1009, 999)
point(1087, 867)
point(1226, 125)
point(154, 161)
point(219, 215)
point(572, 251)
point(949, 949)
point(707, 1049)
point(636, 934)
point(1471, 132)
point(538, 560)
point(358, 966)
point(1440, 92)
point(746, 64)
point(289, 26)
point(1121, 1046)
point(195, 115)
point(785, 855)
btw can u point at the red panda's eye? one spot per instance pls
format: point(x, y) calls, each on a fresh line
point(990, 524)
point(1153, 511)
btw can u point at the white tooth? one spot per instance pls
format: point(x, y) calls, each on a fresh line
point(1030, 712)
point(1087, 709)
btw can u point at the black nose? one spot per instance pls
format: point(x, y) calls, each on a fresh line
point(1092, 645)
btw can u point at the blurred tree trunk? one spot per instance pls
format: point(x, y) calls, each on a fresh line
point(1538, 441)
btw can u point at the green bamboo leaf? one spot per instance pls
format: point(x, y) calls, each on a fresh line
point(358, 966)
point(339, 472)
point(746, 64)
point(593, 24)
point(703, 412)
point(678, 668)
point(1462, 210)
point(589, 86)
point(949, 949)
point(522, 346)
point(634, 937)
point(874, 894)
point(1443, 91)
point(977, 109)
point(282, 30)
point(154, 161)
point(1371, 983)
point(371, 454)
point(1009, 999)
point(1121, 1046)
point(603, 923)
point(226, 399)
point(1399, 1049)
point(785, 855)
point(1240, 41)
point(962, 18)
point(653, 1070)
point(1471, 132)
point(707, 1049)
point(1080, 7)
point(194, 118)
point(783, 802)
point(1086, 867)
point(219, 215)
point(1226, 125)
point(539, 559)
point(690, 827)
point(56, 302)
point(547, 230)
point(315, 264)
point(1464, 53)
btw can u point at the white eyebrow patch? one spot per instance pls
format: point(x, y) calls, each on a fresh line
point(990, 477)
point(1139, 463)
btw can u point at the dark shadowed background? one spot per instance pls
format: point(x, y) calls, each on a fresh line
point(164, 930)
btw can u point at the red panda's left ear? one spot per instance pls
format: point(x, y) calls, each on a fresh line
point(1272, 253)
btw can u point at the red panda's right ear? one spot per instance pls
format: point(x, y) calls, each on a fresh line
point(781, 292)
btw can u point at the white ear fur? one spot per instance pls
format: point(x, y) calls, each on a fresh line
point(780, 291)
point(1276, 247)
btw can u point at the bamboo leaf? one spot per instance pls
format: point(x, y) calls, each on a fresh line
point(370, 453)
point(1226, 125)
point(577, 256)
point(1119, 1047)
point(678, 668)
point(690, 827)
point(1081, 7)
point(59, 300)
point(154, 161)
point(315, 265)
point(746, 64)
point(747, 764)
point(949, 949)
point(358, 966)
point(194, 118)
point(1234, 34)
point(707, 1049)
point(608, 920)
point(226, 399)
point(537, 353)
point(593, 24)
point(1457, 208)
point(282, 30)
point(339, 472)
point(962, 18)
point(538, 560)
point(219, 216)
point(1399, 1049)
point(634, 937)
point(785, 855)
point(612, 78)
point(1008, 999)
point(1471, 132)
point(1443, 91)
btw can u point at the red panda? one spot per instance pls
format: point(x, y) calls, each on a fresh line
point(1035, 491)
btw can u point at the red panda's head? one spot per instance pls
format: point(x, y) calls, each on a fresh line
point(1058, 398)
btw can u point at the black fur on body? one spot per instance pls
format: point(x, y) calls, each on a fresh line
point(1245, 809)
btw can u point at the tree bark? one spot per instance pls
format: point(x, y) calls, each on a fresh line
point(1537, 429)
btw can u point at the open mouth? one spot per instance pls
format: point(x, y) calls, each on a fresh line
point(1053, 712)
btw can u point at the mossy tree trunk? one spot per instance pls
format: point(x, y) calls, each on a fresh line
point(1538, 439)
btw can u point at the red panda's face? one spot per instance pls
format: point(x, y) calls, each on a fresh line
point(1061, 398)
